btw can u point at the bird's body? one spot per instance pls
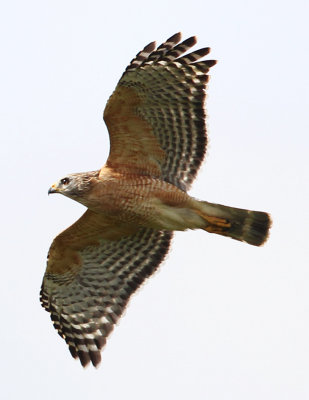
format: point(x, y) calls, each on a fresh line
point(156, 122)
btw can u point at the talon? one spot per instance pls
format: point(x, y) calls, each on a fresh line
point(215, 224)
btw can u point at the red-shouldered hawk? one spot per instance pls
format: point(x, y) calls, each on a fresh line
point(156, 123)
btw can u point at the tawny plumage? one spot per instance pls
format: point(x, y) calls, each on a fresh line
point(156, 123)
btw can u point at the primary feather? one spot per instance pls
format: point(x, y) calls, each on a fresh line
point(156, 123)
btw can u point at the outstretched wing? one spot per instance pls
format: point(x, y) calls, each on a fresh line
point(89, 279)
point(156, 115)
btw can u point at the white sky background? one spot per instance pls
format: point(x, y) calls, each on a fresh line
point(221, 319)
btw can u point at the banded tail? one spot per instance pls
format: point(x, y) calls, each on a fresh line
point(245, 225)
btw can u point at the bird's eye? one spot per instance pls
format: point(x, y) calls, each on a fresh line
point(65, 181)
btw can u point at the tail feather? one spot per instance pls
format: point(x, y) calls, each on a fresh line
point(245, 225)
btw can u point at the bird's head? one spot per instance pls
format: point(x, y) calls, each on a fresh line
point(73, 185)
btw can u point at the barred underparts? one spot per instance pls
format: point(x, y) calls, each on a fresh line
point(156, 123)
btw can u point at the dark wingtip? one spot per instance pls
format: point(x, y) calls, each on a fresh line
point(210, 63)
point(150, 47)
point(95, 357)
point(175, 38)
point(203, 51)
point(73, 352)
point(191, 41)
point(84, 357)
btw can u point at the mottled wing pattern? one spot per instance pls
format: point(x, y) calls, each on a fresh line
point(86, 302)
point(156, 121)
point(156, 115)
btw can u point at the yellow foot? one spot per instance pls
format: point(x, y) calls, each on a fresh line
point(215, 224)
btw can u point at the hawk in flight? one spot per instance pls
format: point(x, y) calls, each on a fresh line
point(156, 123)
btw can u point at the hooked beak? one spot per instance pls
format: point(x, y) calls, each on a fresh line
point(52, 189)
